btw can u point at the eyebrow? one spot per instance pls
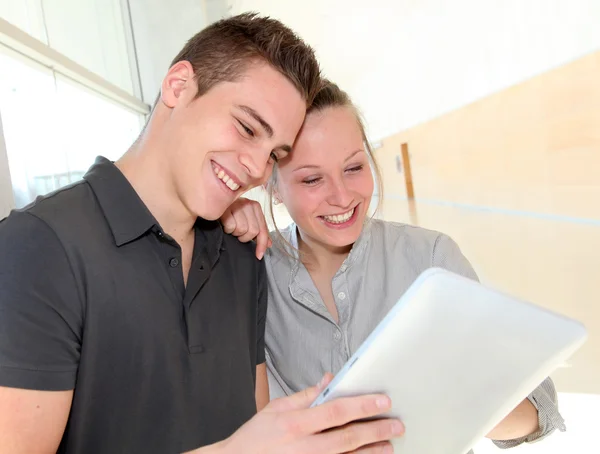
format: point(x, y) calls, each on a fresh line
point(254, 114)
point(266, 126)
point(354, 154)
point(313, 166)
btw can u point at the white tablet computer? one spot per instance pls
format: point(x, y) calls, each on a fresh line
point(455, 357)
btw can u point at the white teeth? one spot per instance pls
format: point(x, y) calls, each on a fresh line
point(339, 218)
point(221, 175)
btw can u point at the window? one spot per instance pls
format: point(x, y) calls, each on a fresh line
point(54, 128)
point(93, 33)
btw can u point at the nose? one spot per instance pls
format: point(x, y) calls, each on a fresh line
point(339, 194)
point(256, 163)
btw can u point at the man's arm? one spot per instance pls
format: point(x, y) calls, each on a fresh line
point(32, 422)
point(289, 425)
point(262, 381)
point(40, 336)
point(262, 387)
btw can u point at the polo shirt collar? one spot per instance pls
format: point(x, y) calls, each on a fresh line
point(211, 236)
point(126, 214)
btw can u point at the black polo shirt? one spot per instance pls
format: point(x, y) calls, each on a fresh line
point(92, 298)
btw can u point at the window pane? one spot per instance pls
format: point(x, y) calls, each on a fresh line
point(54, 129)
point(89, 32)
point(25, 14)
point(26, 95)
point(92, 126)
point(92, 33)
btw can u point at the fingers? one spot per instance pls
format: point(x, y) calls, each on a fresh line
point(228, 221)
point(246, 220)
point(383, 447)
point(246, 225)
point(339, 412)
point(300, 400)
point(238, 218)
point(364, 437)
point(262, 238)
point(249, 220)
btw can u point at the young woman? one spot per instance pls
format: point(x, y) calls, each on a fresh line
point(336, 272)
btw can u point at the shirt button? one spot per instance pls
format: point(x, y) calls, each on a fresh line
point(173, 263)
point(337, 335)
point(342, 295)
point(343, 268)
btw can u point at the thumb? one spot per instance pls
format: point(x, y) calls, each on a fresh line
point(302, 399)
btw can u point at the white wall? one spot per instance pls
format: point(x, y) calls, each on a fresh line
point(408, 61)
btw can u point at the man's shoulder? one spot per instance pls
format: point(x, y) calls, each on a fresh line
point(64, 202)
point(63, 214)
point(240, 250)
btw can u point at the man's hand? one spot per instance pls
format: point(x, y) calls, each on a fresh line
point(289, 426)
point(246, 220)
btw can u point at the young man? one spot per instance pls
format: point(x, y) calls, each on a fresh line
point(128, 321)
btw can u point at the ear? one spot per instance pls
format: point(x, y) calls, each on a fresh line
point(178, 82)
point(267, 187)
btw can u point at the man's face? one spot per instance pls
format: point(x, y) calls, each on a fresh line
point(226, 141)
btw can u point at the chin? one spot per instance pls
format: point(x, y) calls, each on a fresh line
point(344, 241)
point(211, 213)
point(336, 240)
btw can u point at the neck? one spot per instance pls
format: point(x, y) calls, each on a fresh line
point(145, 165)
point(320, 257)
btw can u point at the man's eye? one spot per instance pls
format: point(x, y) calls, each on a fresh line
point(246, 129)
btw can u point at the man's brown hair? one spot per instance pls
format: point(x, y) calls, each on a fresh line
point(224, 50)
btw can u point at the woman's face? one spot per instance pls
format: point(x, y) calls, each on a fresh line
point(326, 183)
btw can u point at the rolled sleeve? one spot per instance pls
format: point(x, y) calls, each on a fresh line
point(545, 400)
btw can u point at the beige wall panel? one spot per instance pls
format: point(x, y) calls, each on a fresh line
point(515, 179)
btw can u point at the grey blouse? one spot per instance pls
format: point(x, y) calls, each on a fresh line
point(302, 339)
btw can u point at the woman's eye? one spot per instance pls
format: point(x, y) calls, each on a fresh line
point(355, 169)
point(311, 181)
